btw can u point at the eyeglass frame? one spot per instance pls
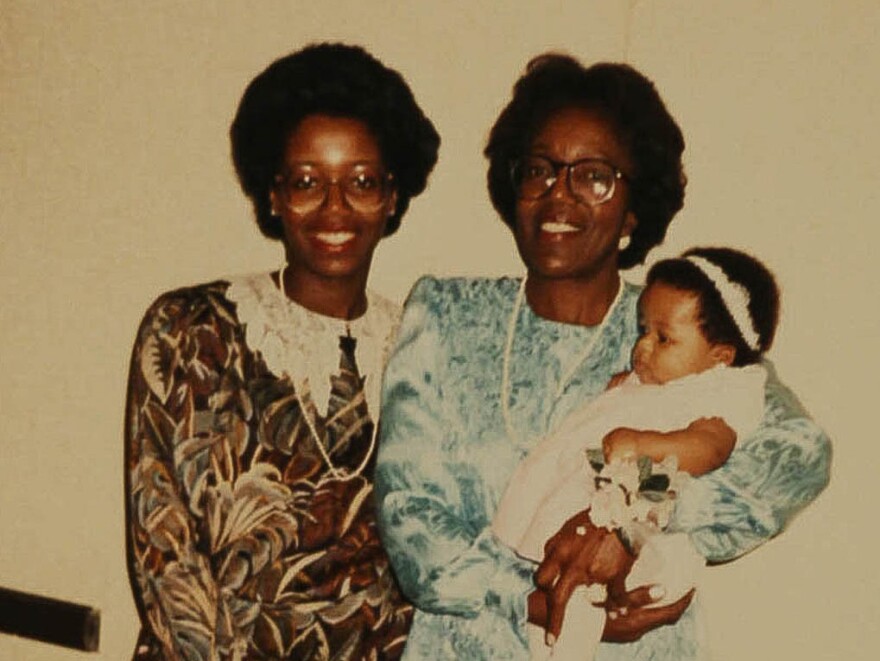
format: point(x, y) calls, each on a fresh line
point(568, 165)
point(386, 179)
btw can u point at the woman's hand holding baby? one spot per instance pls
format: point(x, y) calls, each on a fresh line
point(579, 554)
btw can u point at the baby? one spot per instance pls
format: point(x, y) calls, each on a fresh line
point(696, 386)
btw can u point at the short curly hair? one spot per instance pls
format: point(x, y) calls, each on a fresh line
point(716, 322)
point(337, 80)
point(630, 103)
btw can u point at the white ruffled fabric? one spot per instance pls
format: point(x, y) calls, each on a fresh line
point(554, 482)
point(304, 345)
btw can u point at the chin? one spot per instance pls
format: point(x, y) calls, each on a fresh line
point(335, 271)
point(647, 378)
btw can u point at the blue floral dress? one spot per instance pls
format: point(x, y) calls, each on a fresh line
point(445, 459)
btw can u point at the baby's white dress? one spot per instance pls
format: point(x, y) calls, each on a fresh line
point(555, 481)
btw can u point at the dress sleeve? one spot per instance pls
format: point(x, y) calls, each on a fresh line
point(432, 512)
point(173, 370)
point(770, 477)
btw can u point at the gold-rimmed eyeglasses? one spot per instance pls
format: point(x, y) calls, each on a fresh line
point(305, 187)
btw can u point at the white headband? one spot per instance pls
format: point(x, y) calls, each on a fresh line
point(734, 296)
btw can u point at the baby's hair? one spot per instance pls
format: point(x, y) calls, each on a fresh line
point(749, 334)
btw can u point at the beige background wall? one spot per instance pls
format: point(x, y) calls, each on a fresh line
point(115, 184)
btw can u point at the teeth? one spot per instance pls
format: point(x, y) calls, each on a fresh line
point(335, 238)
point(558, 228)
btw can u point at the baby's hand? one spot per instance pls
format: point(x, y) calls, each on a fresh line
point(620, 443)
point(617, 379)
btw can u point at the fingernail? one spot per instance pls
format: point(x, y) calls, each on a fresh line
point(656, 592)
point(550, 639)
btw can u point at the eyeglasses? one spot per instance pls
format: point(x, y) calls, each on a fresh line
point(306, 187)
point(590, 180)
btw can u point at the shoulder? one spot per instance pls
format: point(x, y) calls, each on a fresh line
point(186, 337)
point(443, 295)
point(723, 378)
point(185, 308)
point(386, 311)
point(782, 405)
point(443, 315)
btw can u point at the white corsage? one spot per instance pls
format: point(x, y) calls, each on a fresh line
point(635, 497)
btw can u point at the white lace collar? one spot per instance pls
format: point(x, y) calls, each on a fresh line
point(304, 345)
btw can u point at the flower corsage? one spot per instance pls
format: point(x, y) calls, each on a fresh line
point(634, 497)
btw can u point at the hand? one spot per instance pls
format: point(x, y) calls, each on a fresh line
point(537, 608)
point(579, 554)
point(620, 443)
point(630, 615)
point(713, 424)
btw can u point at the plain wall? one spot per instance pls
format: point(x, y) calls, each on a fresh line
point(115, 184)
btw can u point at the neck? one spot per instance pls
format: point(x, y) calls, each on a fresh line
point(580, 301)
point(342, 298)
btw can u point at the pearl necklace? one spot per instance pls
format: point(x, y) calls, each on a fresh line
point(337, 474)
point(563, 382)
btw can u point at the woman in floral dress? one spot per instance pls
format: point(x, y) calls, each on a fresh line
point(249, 436)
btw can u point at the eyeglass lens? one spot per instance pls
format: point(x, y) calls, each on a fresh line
point(590, 180)
point(306, 187)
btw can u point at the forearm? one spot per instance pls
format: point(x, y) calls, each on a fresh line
point(174, 586)
point(768, 479)
point(432, 503)
point(698, 452)
point(444, 563)
point(178, 596)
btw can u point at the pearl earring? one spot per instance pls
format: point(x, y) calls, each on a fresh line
point(623, 243)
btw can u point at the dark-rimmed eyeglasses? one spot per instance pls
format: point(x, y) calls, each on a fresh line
point(590, 180)
point(306, 187)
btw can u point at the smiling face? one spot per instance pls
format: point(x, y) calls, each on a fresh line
point(558, 235)
point(332, 235)
point(671, 343)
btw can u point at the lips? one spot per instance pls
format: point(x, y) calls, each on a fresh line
point(560, 220)
point(559, 227)
point(332, 240)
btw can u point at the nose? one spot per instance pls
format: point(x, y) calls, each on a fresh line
point(561, 188)
point(642, 350)
point(334, 196)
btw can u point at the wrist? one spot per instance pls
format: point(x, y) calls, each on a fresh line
point(536, 608)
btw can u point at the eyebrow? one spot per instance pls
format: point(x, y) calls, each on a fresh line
point(351, 164)
point(542, 149)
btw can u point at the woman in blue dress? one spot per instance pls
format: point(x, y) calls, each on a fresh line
point(585, 168)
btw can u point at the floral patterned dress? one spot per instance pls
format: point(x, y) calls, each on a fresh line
point(244, 543)
point(445, 459)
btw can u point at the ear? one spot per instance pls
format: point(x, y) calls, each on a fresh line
point(392, 203)
point(274, 201)
point(723, 353)
point(629, 224)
